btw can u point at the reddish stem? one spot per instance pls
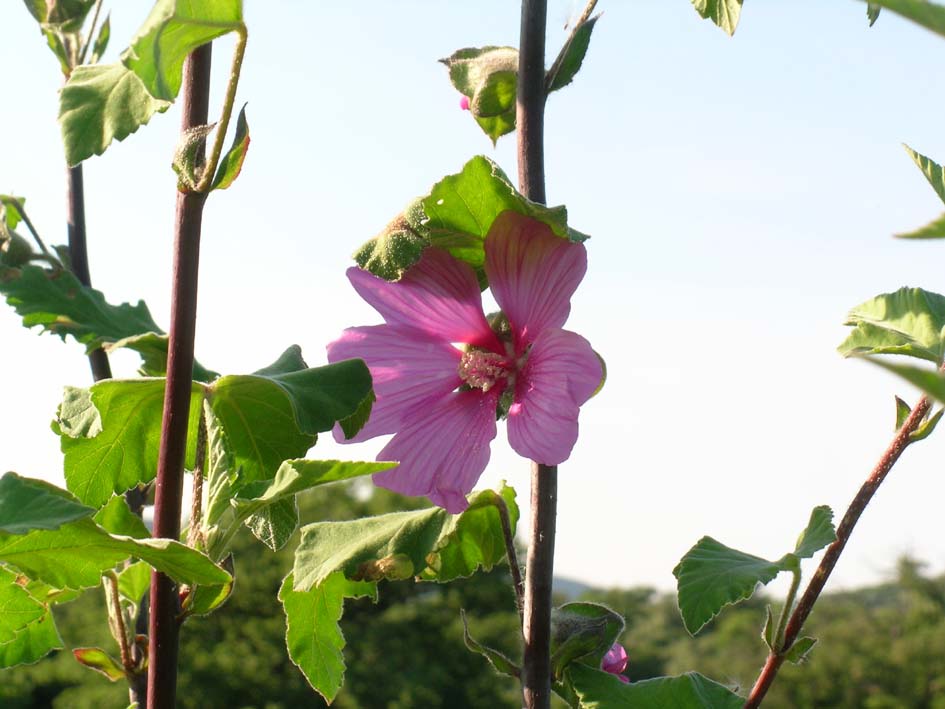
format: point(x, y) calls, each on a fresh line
point(163, 641)
point(819, 579)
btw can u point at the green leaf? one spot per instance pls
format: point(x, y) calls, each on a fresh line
point(10, 207)
point(274, 415)
point(101, 41)
point(711, 576)
point(269, 506)
point(932, 382)
point(767, 633)
point(172, 31)
point(601, 690)
point(724, 13)
point(117, 518)
point(818, 534)
point(134, 581)
point(356, 421)
point(872, 12)
point(76, 555)
point(313, 636)
point(69, 15)
point(97, 659)
point(231, 163)
point(27, 504)
point(932, 170)
point(457, 216)
point(800, 650)
point(500, 662)
point(430, 544)
point(582, 629)
point(203, 600)
point(573, 56)
point(32, 643)
point(17, 607)
point(100, 103)
point(924, 13)
point(152, 346)
point(488, 76)
point(932, 230)
point(909, 322)
point(110, 435)
point(926, 427)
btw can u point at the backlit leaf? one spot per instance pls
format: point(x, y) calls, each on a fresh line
point(818, 534)
point(17, 607)
point(597, 689)
point(724, 13)
point(927, 14)
point(31, 643)
point(573, 57)
point(232, 162)
point(27, 504)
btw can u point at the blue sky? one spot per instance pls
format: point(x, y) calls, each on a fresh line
point(740, 193)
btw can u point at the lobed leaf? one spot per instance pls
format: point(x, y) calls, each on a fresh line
point(724, 13)
point(27, 504)
point(818, 534)
point(110, 435)
point(711, 576)
point(32, 643)
point(313, 637)
point(430, 544)
point(100, 103)
point(457, 216)
point(909, 322)
point(597, 689)
point(76, 555)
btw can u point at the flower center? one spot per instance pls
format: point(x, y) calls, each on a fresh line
point(482, 369)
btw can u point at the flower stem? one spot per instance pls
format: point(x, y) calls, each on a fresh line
point(163, 640)
point(510, 552)
point(892, 453)
point(539, 569)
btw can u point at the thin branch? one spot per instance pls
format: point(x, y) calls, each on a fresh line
point(895, 449)
point(559, 60)
point(121, 632)
point(512, 555)
point(163, 640)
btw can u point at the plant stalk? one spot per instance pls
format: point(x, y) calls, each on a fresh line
point(163, 640)
point(539, 570)
point(892, 453)
point(514, 569)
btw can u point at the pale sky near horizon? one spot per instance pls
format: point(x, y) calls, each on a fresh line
point(740, 193)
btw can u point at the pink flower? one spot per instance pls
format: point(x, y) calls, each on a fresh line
point(464, 103)
point(441, 371)
point(615, 662)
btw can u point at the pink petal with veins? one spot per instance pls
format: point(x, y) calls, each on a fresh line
point(532, 274)
point(443, 449)
point(560, 374)
point(439, 295)
point(408, 369)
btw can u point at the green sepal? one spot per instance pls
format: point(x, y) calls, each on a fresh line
point(926, 428)
point(597, 689)
point(724, 13)
point(818, 534)
point(313, 637)
point(910, 321)
point(499, 661)
point(27, 504)
point(232, 163)
point(711, 576)
point(429, 544)
point(97, 659)
point(582, 631)
point(101, 41)
point(800, 650)
point(902, 412)
point(573, 56)
point(101, 103)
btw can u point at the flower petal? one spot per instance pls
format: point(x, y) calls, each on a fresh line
point(438, 295)
point(561, 373)
point(408, 370)
point(532, 273)
point(443, 450)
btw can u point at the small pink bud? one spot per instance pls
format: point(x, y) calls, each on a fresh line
point(615, 661)
point(464, 103)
